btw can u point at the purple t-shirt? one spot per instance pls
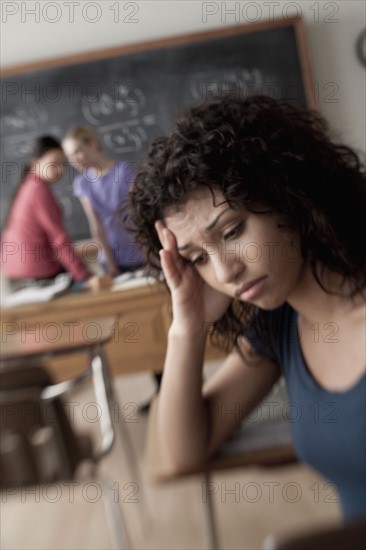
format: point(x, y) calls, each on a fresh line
point(108, 196)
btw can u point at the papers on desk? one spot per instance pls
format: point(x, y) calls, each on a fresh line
point(35, 294)
point(132, 280)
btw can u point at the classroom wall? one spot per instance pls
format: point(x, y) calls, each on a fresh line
point(37, 30)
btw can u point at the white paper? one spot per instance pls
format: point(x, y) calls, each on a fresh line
point(132, 280)
point(32, 295)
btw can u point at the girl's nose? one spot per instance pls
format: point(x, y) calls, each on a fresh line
point(227, 266)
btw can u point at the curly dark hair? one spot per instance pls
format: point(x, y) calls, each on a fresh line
point(259, 150)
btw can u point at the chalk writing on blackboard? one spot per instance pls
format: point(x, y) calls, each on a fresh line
point(19, 127)
point(236, 81)
point(126, 137)
point(122, 100)
point(125, 102)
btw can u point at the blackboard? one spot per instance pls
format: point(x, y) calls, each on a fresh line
point(131, 95)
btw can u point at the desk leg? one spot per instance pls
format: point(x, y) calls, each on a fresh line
point(209, 512)
point(115, 520)
point(104, 395)
point(124, 435)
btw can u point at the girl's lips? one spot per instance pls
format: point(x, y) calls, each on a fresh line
point(248, 292)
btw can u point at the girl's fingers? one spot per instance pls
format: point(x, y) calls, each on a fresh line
point(169, 243)
point(172, 274)
point(164, 234)
point(167, 239)
point(159, 226)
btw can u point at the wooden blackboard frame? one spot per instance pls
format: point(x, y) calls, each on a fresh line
point(117, 51)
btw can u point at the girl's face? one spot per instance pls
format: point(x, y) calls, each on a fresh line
point(243, 255)
point(80, 155)
point(51, 166)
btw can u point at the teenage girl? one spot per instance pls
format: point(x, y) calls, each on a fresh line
point(260, 232)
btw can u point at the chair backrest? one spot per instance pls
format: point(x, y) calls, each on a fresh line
point(348, 536)
point(37, 441)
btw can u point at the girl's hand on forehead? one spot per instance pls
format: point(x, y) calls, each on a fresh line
point(194, 301)
point(167, 238)
point(172, 263)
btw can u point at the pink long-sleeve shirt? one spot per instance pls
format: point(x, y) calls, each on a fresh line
point(35, 243)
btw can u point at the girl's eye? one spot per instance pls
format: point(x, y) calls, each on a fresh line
point(234, 232)
point(199, 260)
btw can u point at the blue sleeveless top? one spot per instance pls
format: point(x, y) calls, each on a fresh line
point(329, 428)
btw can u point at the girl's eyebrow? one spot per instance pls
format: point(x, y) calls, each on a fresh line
point(212, 224)
point(206, 230)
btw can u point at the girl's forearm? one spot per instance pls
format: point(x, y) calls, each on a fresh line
point(99, 235)
point(182, 425)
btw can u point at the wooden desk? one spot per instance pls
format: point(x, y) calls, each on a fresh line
point(139, 338)
point(18, 345)
point(159, 469)
point(26, 386)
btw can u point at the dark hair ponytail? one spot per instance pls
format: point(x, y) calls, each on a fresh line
point(41, 147)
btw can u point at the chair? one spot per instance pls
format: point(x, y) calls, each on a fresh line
point(351, 535)
point(38, 442)
point(277, 454)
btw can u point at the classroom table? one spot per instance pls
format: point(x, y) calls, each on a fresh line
point(159, 470)
point(26, 386)
point(143, 317)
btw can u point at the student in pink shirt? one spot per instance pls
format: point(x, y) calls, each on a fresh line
point(35, 244)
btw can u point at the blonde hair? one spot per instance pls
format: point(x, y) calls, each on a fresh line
point(85, 134)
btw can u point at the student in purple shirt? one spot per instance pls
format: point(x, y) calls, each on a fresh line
point(102, 188)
